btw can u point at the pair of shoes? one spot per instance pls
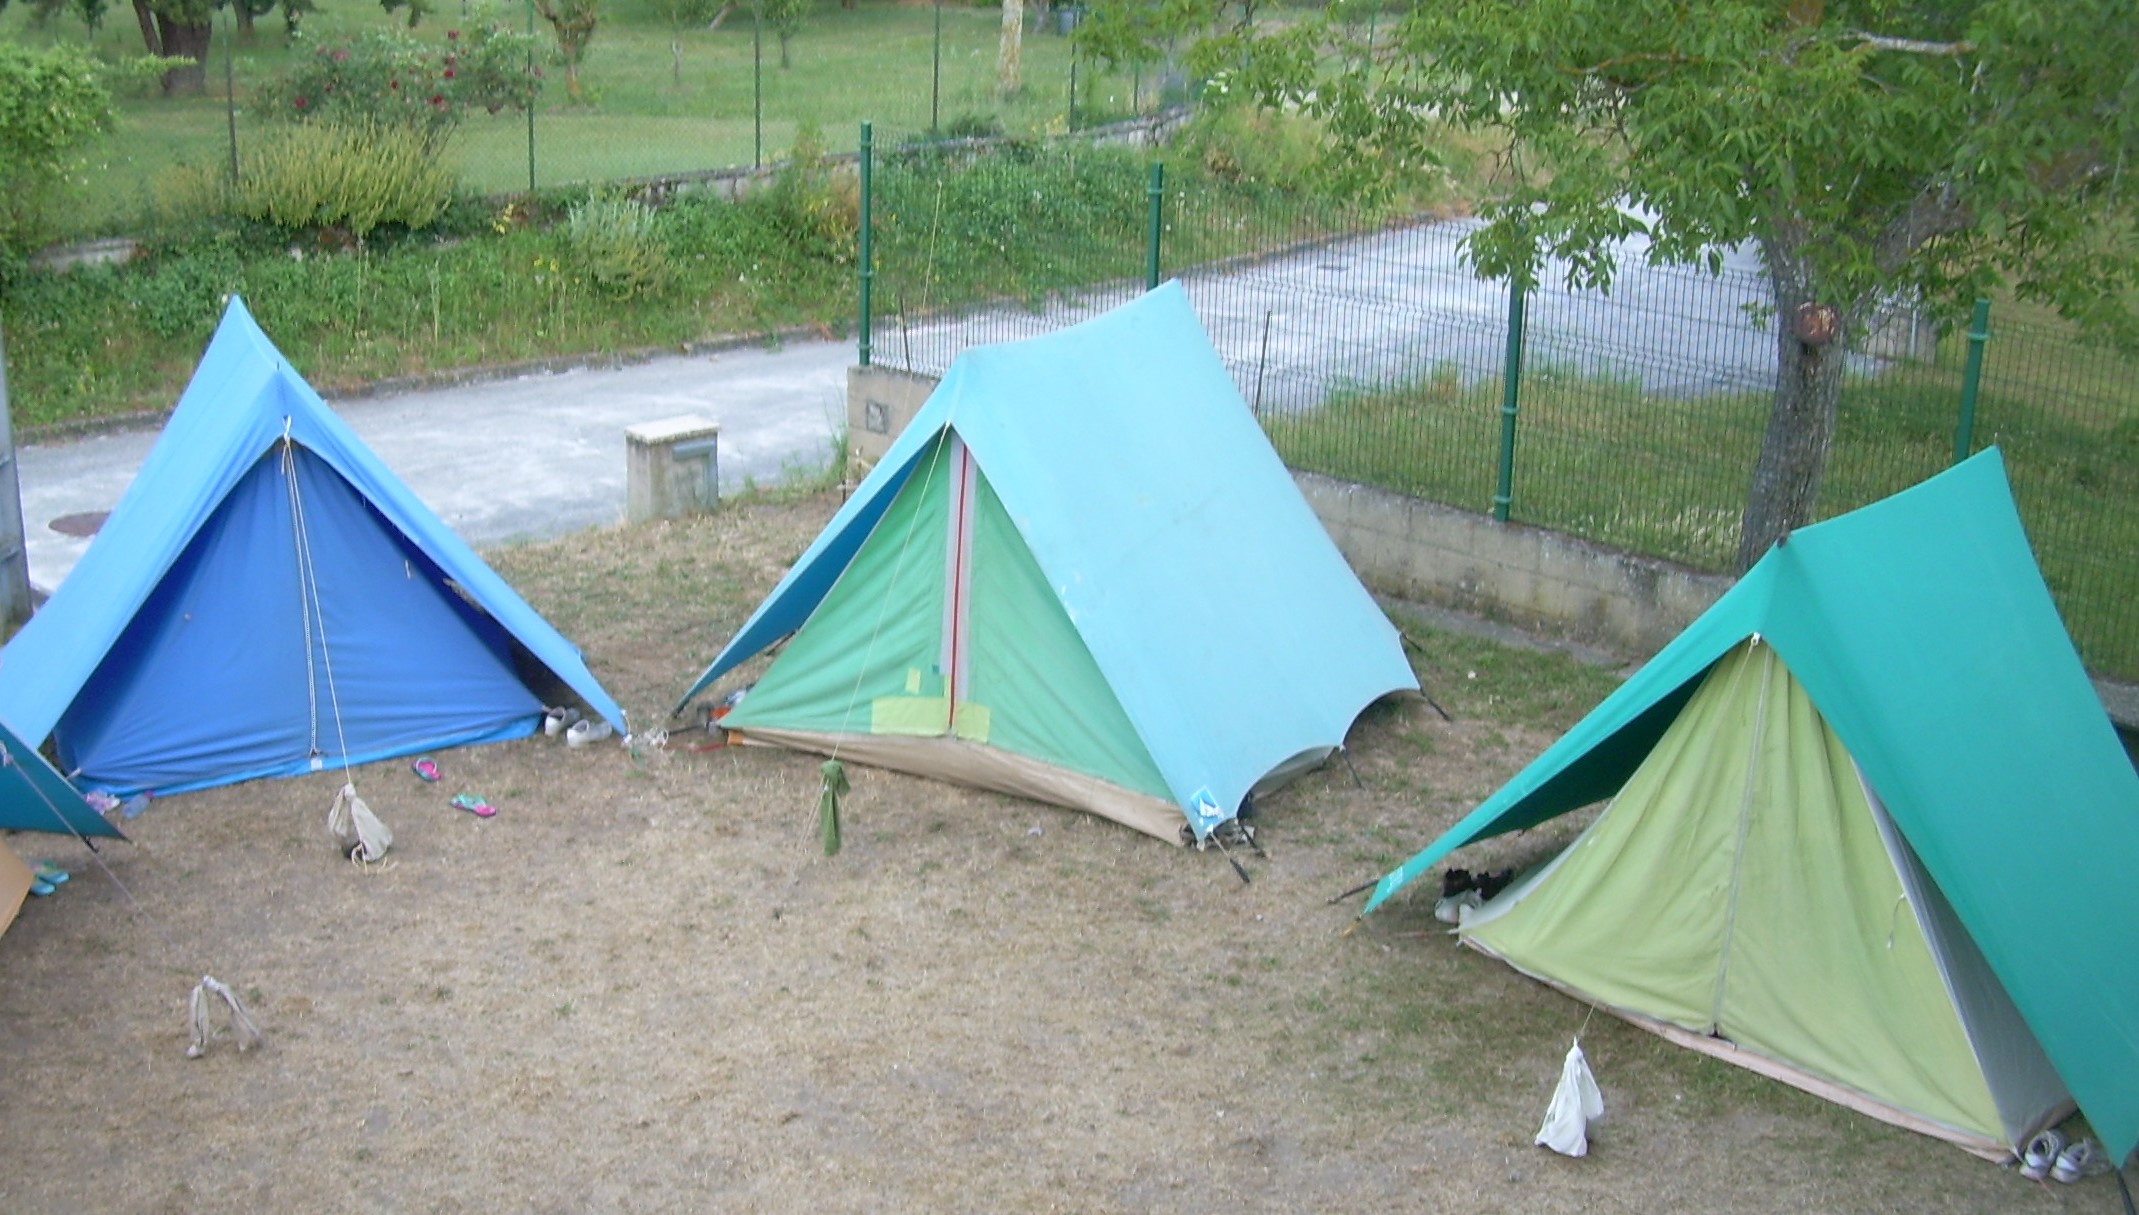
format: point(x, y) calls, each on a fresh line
point(473, 805)
point(590, 730)
point(49, 873)
point(556, 721)
point(2084, 1158)
point(426, 770)
point(2041, 1154)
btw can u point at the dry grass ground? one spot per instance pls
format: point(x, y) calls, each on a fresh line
point(642, 987)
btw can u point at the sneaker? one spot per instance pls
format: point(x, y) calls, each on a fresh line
point(556, 721)
point(589, 730)
point(2083, 1159)
point(2041, 1155)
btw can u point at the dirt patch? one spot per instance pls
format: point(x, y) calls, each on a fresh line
point(642, 988)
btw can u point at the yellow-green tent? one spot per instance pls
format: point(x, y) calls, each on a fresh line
point(1869, 831)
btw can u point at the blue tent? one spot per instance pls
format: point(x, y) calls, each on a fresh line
point(1080, 575)
point(268, 599)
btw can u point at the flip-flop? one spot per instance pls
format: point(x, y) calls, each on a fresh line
point(50, 874)
point(41, 887)
point(473, 805)
point(425, 769)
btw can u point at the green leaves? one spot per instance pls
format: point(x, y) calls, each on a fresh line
point(1877, 139)
point(53, 103)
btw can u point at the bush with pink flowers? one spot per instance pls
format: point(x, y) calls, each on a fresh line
point(388, 78)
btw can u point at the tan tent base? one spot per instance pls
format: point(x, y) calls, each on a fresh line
point(1730, 1052)
point(969, 763)
point(14, 885)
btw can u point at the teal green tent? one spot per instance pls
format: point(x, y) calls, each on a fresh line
point(1868, 831)
point(1079, 575)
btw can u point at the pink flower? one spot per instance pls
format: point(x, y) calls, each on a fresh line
point(301, 102)
point(452, 35)
point(438, 100)
point(339, 56)
point(449, 73)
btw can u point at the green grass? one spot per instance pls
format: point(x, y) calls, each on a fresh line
point(1667, 476)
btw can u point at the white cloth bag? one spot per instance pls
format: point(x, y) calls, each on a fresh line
point(359, 832)
point(1575, 1104)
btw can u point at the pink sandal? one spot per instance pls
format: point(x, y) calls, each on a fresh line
point(426, 769)
point(474, 805)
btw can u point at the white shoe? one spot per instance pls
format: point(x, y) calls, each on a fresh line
point(2082, 1159)
point(2041, 1155)
point(589, 730)
point(557, 721)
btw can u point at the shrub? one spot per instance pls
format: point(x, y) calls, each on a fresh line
point(813, 201)
point(616, 245)
point(389, 79)
point(52, 103)
point(356, 178)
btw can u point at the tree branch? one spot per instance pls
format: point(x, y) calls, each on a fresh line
point(1913, 46)
point(1937, 211)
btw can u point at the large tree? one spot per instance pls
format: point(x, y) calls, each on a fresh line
point(1876, 150)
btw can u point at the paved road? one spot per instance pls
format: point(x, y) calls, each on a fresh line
point(541, 455)
point(528, 457)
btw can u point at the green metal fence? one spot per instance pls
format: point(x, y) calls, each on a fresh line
point(1370, 353)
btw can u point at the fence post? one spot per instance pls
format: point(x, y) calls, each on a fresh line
point(757, 88)
point(230, 92)
point(868, 270)
point(1155, 197)
point(1073, 90)
point(531, 96)
point(935, 79)
point(1964, 433)
point(1510, 393)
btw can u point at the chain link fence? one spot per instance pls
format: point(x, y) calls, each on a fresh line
point(1370, 353)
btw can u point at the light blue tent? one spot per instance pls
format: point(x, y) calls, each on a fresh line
point(268, 599)
point(1080, 575)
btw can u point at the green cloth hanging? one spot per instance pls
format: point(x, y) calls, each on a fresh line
point(835, 783)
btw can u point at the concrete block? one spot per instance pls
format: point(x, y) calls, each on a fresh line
point(671, 468)
point(880, 402)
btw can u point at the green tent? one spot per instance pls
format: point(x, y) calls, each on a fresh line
point(1868, 831)
point(1079, 575)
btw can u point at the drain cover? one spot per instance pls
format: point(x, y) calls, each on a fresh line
point(84, 524)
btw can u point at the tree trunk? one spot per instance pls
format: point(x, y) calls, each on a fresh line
point(1811, 337)
point(150, 36)
point(675, 58)
point(1009, 69)
point(785, 62)
point(246, 36)
point(188, 42)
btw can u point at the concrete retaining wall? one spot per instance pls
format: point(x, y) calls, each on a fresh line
point(1538, 580)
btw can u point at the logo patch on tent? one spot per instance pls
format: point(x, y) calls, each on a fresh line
point(1204, 812)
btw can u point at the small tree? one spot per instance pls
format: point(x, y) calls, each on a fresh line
point(573, 22)
point(785, 18)
point(1010, 51)
point(680, 15)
